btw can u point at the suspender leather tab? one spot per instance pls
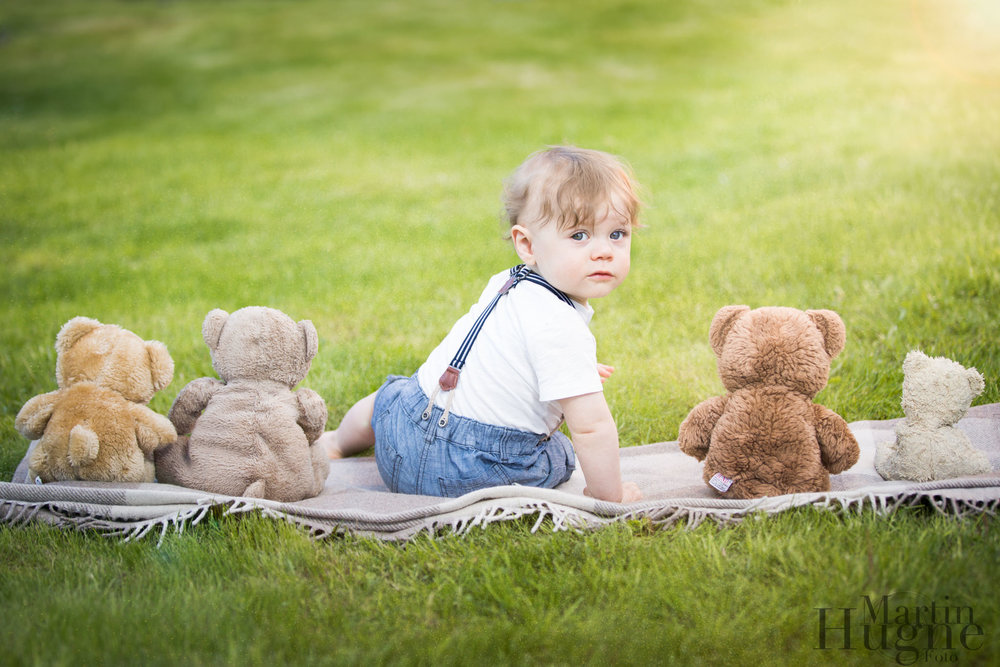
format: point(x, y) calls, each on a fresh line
point(449, 379)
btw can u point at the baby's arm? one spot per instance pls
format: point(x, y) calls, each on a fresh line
point(595, 439)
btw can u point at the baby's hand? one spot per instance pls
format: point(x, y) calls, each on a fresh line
point(630, 492)
point(605, 371)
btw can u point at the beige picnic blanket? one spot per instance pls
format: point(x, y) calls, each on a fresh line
point(356, 501)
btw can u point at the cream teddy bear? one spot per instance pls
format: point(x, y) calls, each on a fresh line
point(937, 392)
point(249, 433)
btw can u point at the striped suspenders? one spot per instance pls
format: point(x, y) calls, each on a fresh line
point(449, 379)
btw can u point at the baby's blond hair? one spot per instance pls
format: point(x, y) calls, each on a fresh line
point(572, 187)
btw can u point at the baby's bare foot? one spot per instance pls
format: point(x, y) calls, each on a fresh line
point(328, 441)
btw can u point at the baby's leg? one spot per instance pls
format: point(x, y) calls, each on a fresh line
point(355, 434)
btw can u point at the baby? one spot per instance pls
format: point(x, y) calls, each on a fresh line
point(485, 408)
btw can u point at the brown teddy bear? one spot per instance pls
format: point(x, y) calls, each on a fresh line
point(249, 434)
point(96, 426)
point(766, 436)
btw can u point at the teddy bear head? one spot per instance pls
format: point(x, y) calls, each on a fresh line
point(937, 390)
point(257, 343)
point(113, 358)
point(776, 346)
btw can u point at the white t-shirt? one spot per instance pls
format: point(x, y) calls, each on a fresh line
point(532, 351)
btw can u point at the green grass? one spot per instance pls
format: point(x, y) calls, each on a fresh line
point(342, 161)
point(622, 594)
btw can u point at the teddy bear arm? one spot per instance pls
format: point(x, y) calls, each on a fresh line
point(696, 430)
point(312, 413)
point(34, 416)
point(152, 430)
point(838, 448)
point(190, 403)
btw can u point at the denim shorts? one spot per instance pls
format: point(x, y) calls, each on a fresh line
point(417, 455)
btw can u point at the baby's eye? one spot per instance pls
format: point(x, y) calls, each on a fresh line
point(618, 234)
point(579, 236)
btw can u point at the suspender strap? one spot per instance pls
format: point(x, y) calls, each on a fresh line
point(449, 379)
point(533, 277)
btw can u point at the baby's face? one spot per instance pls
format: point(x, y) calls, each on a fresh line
point(584, 262)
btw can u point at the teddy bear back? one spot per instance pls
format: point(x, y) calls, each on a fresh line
point(113, 358)
point(776, 346)
point(258, 343)
point(245, 433)
point(91, 436)
point(936, 390)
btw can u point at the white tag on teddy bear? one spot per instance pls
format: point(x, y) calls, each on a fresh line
point(38, 480)
point(720, 482)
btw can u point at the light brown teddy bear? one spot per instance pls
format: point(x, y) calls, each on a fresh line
point(937, 392)
point(249, 434)
point(96, 426)
point(766, 437)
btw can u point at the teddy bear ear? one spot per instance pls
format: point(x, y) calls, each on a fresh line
point(914, 360)
point(211, 328)
point(311, 338)
point(161, 366)
point(722, 323)
point(976, 382)
point(73, 331)
point(832, 329)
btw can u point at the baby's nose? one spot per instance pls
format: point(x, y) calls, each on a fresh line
point(601, 248)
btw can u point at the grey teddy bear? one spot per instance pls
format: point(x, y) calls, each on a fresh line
point(248, 433)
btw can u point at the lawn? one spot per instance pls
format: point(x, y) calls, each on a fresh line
point(342, 161)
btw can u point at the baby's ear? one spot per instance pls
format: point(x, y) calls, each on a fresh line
point(311, 338)
point(722, 323)
point(211, 328)
point(521, 238)
point(832, 329)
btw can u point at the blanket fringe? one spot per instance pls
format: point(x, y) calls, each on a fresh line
point(21, 512)
point(562, 518)
point(495, 514)
point(555, 517)
point(178, 521)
